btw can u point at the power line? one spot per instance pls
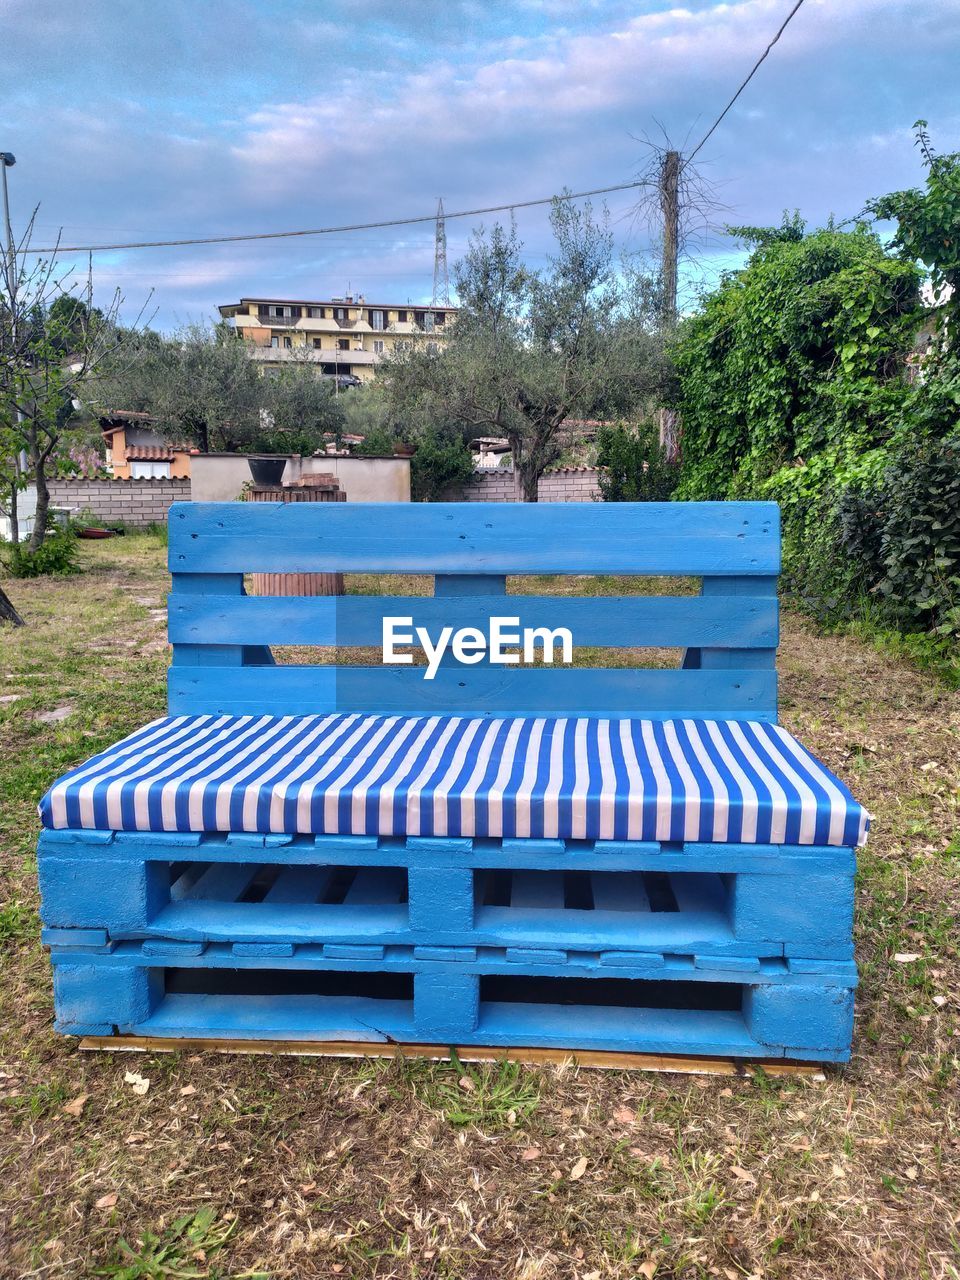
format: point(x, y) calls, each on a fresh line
point(326, 231)
point(753, 72)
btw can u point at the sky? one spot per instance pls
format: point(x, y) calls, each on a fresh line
point(189, 118)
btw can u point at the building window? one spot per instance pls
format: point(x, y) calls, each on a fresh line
point(377, 321)
point(274, 341)
point(378, 346)
point(440, 317)
point(317, 313)
point(149, 470)
point(343, 344)
point(428, 321)
point(318, 343)
point(401, 317)
point(263, 311)
point(340, 314)
point(288, 343)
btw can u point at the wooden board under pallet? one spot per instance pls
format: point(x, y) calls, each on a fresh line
point(592, 1058)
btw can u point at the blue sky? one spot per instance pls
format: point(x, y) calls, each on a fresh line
point(136, 121)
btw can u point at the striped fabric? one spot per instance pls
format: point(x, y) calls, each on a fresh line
point(692, 780)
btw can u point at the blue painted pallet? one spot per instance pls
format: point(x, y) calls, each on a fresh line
point(492, 999)
point(713, 538)
point(703, 949)
point(222, 661)
point(580, 895)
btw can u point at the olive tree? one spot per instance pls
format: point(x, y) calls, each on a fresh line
point(531, 348)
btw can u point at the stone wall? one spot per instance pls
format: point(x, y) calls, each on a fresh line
point(137, 503)
point(561, 484)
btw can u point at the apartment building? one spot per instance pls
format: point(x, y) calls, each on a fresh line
point(345, 336)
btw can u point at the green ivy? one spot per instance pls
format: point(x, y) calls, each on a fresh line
point(799, 353)
point(795, 384)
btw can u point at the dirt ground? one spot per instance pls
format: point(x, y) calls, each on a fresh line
point(292, 1167)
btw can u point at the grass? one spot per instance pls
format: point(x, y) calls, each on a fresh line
point(185, 1250)
point(293, 1167)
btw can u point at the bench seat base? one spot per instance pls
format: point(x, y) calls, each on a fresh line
point(709, 949)
point(489, 999)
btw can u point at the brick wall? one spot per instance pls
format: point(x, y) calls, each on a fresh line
point(136, 502)
point(561, 484)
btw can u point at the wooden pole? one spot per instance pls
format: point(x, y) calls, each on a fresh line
point(670, 207)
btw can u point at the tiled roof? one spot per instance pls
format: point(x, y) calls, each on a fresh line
point(150, 453)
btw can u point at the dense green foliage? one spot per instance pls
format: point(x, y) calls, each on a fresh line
point(442, 464)
point(634, 466)
point(57, 554)
point(815, 377)
point(796, 356)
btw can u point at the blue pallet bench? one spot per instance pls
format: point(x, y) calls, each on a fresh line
point(627, 858)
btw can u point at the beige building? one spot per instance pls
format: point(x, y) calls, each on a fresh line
point(346, 336)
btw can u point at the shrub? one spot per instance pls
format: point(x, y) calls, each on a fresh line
point(920, 541)
point(56, 555)
point(634, 467)
point(441, 463)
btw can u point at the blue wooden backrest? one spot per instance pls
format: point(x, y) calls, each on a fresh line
point(221, 637)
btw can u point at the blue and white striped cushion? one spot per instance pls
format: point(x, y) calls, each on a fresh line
point(693, 780)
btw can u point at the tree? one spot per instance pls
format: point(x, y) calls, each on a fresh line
point(301, 407)
point(530, 349)
point(928, 229)
point(203, 388)
point(53, 344)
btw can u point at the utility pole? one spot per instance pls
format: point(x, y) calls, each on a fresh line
point(441, 280)
point(670, 207)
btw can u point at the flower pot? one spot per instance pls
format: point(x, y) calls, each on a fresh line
point(266, 470)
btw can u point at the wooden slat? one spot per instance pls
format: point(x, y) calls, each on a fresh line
point(735, 592)
point(380, 885)
point(223, 881)
point(476, 538)
point(299, 884)
point(479, 691)
point(620, 891)
point(613, 621)
point(700, 893)
point(540, 889)
point(604, 1060)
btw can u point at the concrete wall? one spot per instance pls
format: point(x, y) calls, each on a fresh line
point(220, 477)
point(564, 484)
point(136, 502)
point(26, 506)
